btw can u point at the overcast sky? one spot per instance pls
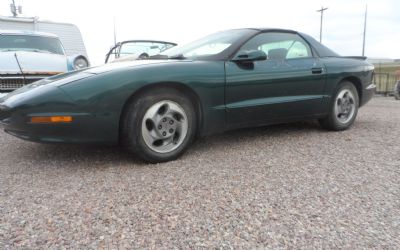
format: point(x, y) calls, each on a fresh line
point(182, 21)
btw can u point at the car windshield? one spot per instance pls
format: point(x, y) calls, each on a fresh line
point(150, 48)
point(208, 46)
point(31, 43)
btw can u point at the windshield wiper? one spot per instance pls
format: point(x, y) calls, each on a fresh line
point(7, 50)
point(177, 57)
point(28, 50)
point(159, 56)
point(42, 51)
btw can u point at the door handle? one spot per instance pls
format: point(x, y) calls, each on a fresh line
point(317, 70)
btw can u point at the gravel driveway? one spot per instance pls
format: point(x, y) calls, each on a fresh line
point(286, 186)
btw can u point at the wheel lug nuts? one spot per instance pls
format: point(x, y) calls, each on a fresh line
point(164, 119)
point(159, 127)
point(171, 130)
point(164, 133)
point(171, 122)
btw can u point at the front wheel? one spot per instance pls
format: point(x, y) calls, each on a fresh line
point(343, 108)
point(160, 125)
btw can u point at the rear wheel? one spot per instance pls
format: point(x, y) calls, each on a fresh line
point(343, 108)
point(160, 125)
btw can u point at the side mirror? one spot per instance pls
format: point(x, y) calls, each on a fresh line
point(250, 56)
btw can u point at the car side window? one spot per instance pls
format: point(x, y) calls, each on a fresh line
point(134, 48)
point(138, 48)
point(279, 45)
point(298, 50)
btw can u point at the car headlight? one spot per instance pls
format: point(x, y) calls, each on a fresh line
point(80, 63)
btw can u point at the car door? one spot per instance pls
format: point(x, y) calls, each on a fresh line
point(289, 84)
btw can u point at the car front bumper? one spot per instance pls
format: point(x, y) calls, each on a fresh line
point(81, 130)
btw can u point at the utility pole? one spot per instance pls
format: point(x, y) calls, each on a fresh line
point(365, 29)
point(322, 16)
point(15, 9)
point(115, 34)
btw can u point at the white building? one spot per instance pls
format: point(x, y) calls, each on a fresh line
point(69, 34)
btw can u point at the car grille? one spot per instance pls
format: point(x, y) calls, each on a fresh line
point(12, 83)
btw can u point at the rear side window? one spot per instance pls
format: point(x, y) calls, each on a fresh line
point(279, 45)
point(320, 48)
point(297, 50)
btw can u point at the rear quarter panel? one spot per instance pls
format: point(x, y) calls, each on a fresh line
point(339, 69)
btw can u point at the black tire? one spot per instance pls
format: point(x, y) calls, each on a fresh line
point(331, 122)
point(131, 130)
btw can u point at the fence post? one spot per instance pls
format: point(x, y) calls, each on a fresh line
point(387, 84)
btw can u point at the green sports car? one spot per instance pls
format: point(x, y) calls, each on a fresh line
point(158, 106)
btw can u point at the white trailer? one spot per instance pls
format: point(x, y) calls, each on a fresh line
point(69, 34)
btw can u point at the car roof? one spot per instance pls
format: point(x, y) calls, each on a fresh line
point(272, 29)
point(26, 33)
point(321, 49)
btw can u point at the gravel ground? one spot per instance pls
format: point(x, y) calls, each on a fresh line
point(286, 186)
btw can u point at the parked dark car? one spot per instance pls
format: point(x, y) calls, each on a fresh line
point(228, 80)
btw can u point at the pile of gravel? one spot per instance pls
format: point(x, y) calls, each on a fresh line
point(285, 186)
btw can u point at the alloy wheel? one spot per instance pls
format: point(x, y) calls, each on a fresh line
point(345, 106)
point(164, 126)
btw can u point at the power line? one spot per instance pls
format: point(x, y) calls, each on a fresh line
point(322, 16)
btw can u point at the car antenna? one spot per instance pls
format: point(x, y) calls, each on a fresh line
point(20, 68)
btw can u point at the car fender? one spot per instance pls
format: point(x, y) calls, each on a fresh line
point(346, 69)
point(106, 92)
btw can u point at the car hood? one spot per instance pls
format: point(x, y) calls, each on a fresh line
point(63, 79)
point(32, 63)
point(124, 65)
